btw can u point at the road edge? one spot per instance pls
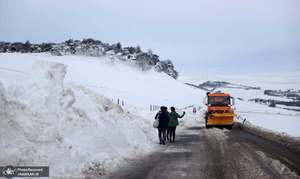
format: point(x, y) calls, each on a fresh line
point(290, 142)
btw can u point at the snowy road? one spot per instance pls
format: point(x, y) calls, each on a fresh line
point(215, 153)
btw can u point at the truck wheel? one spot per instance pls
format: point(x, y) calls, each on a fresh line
point(207, 126)
point(206, 119)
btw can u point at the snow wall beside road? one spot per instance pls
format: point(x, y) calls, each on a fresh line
point(65, 126)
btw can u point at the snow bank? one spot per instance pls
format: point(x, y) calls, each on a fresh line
point(68, 127)
point(281, 138)
point(282, 169)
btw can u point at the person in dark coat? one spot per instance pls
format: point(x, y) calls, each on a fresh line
point(163, 118)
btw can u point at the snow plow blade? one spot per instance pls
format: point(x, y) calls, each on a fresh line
point(216, 119)
point(222, 115)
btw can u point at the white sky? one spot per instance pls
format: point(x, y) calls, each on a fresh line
point(197, 35)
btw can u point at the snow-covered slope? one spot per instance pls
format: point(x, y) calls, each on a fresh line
point(113, 79)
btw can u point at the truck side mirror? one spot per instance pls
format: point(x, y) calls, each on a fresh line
point(232, 101)
point(205, 100)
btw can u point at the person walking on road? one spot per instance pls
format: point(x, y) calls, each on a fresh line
point(163, 118)
point(173, 123)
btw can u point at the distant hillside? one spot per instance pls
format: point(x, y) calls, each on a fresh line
point(90, 47)
point(213, 85)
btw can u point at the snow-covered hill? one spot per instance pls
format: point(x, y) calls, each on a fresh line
point(113, 79)
point(95, 48)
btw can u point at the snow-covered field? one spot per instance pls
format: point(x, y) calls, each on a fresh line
point(275, 119)
point(269, 79)
point(62, 111)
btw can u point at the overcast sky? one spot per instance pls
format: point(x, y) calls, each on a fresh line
point(195, 34)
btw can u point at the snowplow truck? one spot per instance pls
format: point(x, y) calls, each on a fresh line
point(219, 110)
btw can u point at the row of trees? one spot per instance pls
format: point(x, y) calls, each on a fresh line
point(91, 47)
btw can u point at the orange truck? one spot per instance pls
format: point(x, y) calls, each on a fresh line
point(219, 110)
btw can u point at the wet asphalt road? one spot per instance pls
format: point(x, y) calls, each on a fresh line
point(215, 153)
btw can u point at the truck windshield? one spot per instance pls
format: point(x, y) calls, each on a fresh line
point(219, 100)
